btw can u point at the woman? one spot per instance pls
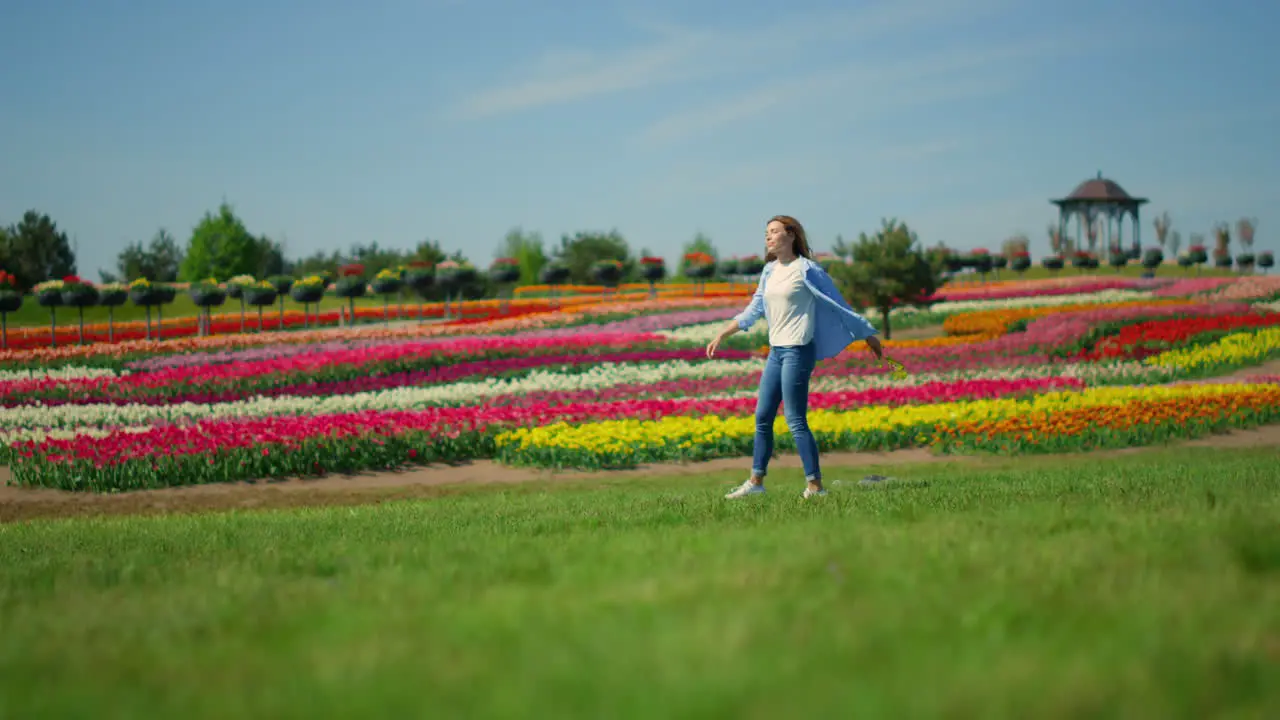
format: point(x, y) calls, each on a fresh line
point(808, 321)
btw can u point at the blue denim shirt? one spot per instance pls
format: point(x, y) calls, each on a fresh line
point(835, 324)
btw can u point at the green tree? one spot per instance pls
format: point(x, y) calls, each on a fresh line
point(36, 250)
point(528, 251)
point(316, 263)
point(158, 261)
point(841, 248)
point(220, 247)
point(428, 251)
point(585, 248)
point(890, 269)
point(270, 258)
point(4, 250)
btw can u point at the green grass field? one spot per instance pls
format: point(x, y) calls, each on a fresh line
point(1142, 586)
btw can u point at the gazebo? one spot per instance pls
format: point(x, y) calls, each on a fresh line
point(1100, 199)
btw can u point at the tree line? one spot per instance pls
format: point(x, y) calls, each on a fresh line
point(880, 271)
point(221, 246)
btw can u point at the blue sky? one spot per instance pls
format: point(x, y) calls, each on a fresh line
point(326, 123)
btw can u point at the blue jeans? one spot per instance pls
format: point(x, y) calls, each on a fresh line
point(786, 379)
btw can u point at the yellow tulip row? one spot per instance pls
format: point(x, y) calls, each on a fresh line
point(1235, 349)
point(693, 437)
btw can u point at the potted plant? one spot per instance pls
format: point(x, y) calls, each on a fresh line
point(1266, 260)
point(144, 295)
point(78, 294)
point(699, 265)
point(49, 295)
point(1152, 259)
point(607, 272)
point(1020, 262)
point(351, 285)
point(981, 262)
point(112, 296)
point(999, 262)
point(420, 277)
point(554, 274)
point(504, 272)
point(308, 291)
point(653, 269)
point(283, 285)
point(751, 265)
point(235, 291)
point(207, 294)
point(729, 267)
point(1199, 255)
point(10, 301)
point(452, 276)
point(259, 295)
point(386, 283)
point(1052, 263)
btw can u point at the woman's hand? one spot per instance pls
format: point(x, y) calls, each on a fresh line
point(728, 330)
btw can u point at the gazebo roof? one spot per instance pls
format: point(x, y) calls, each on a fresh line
point(1099, 190)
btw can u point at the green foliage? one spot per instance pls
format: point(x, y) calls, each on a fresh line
point(158, 262)
point(701, 243)
point(890, 269)
point(221, 247)
point(527, 250)
point(35, 250)
point(584, 249)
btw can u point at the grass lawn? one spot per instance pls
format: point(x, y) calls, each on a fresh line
point(1144, 586)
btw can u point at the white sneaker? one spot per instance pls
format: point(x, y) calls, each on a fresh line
point(810, 492)
point(745, 489)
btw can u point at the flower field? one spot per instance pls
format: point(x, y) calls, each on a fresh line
point(1057, 365)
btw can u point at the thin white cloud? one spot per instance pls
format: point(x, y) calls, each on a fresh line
point(678, 54)
point(870, 85)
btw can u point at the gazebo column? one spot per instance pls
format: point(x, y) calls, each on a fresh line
point(1137, 232)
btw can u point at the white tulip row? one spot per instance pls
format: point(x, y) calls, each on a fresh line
point(466, 392)
point(68, 372)
point(66, 421)
point(706, 332)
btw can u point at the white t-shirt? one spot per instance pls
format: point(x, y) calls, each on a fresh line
point(788, 306)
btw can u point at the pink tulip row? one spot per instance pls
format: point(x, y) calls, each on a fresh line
point(1042, 335)
point(1004, 293)
point(327, 361)
point(1253, 287)
point(275, 433)
point(304, 386)
point(1191, 286)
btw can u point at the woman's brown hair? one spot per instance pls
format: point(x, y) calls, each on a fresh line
point(799, 241)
